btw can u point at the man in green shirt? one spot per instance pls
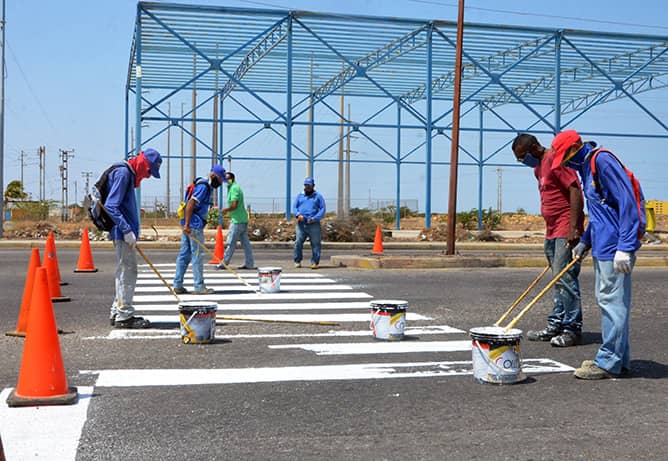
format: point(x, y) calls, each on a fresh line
point(238, 223)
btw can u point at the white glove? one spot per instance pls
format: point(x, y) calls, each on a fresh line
point(580, 250)
point(130, 239)
point(622, 262)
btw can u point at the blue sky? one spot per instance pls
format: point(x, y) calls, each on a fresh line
point(67, 63)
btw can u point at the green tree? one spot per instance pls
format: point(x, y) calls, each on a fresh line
point(15, 191)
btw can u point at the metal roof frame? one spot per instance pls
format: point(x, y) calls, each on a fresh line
point(253, 57)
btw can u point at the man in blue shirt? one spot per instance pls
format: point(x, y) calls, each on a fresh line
point(309, 208)
point(121, 205)
point(615, 223)
point(198, 200)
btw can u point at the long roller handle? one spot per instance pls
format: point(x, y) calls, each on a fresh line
point(522, 296)
point(232, 271)
point(278, 321)
point(539, 295)
point(169, 287)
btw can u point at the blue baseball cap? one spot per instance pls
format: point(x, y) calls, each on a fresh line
point(219, 171)
point(154, 158)
point(309, 181)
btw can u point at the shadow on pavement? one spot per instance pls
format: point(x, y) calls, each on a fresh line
point(648, 369)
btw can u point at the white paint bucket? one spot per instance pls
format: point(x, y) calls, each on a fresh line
point(198, 322)
point(269, 279)
point(388, 319)
point(496, 355)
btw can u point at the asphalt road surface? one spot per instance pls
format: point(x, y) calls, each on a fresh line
point(287, 391)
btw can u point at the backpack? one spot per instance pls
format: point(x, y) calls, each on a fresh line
point(94, 201)
point(181, 210)
point(637, 191)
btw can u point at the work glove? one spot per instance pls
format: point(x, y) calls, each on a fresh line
point(622, 262)
point(580, 250)
point(130, 239)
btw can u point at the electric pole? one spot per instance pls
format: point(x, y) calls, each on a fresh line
point(2, 121)
point(87, 175)
point(42, 173)
point(65, 155)
point(499, 172)
point(169, 148)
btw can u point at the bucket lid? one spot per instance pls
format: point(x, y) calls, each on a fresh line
point(495, 333)
point(269, 269)
point(192, 306)
point(389, 303)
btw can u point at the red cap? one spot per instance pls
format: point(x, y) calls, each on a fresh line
point(561, 143)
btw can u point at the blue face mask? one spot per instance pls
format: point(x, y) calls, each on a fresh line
point(578, 159)
point(530, 161)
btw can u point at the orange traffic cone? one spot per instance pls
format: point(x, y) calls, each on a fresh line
point(50, 252)
point(42, 379)
point(52, 281)
point(378, 242)
point(22, 322)
point(85, 263)
point(219, 250)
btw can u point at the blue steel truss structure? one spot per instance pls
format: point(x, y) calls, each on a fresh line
point(262, 61)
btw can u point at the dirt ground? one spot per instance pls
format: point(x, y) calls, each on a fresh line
point(355, 229)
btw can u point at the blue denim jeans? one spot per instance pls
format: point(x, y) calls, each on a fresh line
point(312, 231)
point(125, 281)
point(190, 252)
point(566, 305)
point(239, 231)
point(613, 294)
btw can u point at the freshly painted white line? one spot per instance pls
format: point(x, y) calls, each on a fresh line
point(188, 281)
point(225, 274)
point(398, 347)
point(43, 432)
point(285, 287)
point(220, 333)
point(185, 377)
point(339, 318)
point(262, 306)
point(251, 296)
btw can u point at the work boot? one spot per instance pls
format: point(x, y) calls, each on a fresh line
point(314, 266)
point(133, 323)
point(204, 291)
point(543, 335)
point(593, 372)
point(626, 372)
point(566, 339)
point(180, 291)
point(298, 264)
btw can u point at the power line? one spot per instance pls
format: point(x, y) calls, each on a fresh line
point(551, 16)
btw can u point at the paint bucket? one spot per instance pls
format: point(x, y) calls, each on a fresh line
point(198, 322)
point(496, 355)
point(269, 279)
point(388, 319)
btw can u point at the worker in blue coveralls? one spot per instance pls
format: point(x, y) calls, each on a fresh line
point(615, 223)
point(121, 205)
point(309, 208)
point(197, 200)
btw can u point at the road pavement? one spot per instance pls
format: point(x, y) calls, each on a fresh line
point(292, 391)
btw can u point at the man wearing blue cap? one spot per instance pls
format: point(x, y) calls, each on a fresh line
point(121, 206)
point(197, 198)
point(309, 208)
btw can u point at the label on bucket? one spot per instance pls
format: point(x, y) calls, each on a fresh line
point(198, 323)
point(269, 279)
point(497, 360)
point(388, 324)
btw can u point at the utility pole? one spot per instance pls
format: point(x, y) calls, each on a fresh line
point(87, 175)
point(193, 146)
point(339, 197)
point(42, 173)
point(22, 161)
point(347, 178)
point(181, 187)
point(64, 156)
point(499, 172)
point(2, 122)
point(169, 149)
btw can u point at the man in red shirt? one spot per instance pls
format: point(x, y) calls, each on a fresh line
point(561, 204)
